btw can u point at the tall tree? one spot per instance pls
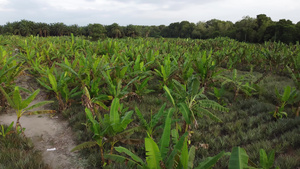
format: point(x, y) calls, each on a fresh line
point(96, 31)
point(132, 31)
point(245, 29)
point(262, 23)
point(114, 31)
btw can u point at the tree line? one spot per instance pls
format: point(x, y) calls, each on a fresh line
point(253, 30)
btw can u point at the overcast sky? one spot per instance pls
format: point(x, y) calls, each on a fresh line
point(144, 12)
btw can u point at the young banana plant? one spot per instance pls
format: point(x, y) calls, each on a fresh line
point(167, 70)
point(295, 74)
point(6, 132)
point(59, 85)
point(159, 155)
point(151, 126)
point(20, 105)
point(238, 83)
point(190, 100)
point(110, 128)
point(289, 96)
point(156, 154)
point(205, 66)
point(239, 159)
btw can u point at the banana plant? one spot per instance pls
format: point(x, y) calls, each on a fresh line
point(289, 96)
point(157, 155)
point(142, 87)
point(59, 85)
point(111, 128)
point(190, 100)
point(151, 126)
point(205, 66)
point(218, 93)
point(20, 105)
point(8, 131)
point(186, 69)
point(10, 68)
point(238, 83)
point(167, 70)
point(296, 77)
point(114, 79)
point(239, 159)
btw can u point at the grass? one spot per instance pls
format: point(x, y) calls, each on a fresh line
point(18, 152)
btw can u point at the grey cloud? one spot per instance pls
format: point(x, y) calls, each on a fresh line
point(24, 5)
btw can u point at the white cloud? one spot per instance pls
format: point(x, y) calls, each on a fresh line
point(144, 12)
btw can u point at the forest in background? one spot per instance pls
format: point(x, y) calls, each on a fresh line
point(248, 29)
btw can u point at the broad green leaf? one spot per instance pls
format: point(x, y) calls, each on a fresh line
point(123, 160)
point(101, 104)
point(175, 136)
point(44, 85)
point(165, 138)
point(29, 99)
point(263, 158)
point(126, 117)
point(192, 153)
point(17, 99)
point(195, 87)
point(184, 157)
point(95, 125)
point(68, 68)
point(169, 95)
point(123, 71)
point(142, 120)
point(53, 82)
point(238, 159)
point(286, 94)
point(210, 161)
point(9, 127)
point(271, 159)
point(177, 149)
point(84, 145)
point(153, 154)
point(207, 113)
point(156, 118)
point(10, 102)
point(38, 105)
point(126, 151)
point(185, 112)
point(114, 114)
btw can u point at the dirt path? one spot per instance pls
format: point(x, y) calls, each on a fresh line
point(46, 132)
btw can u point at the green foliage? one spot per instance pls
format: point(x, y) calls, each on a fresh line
point(190, 100)
point(238, 159)
point(289, 96)
point(266, 161)
point(239, 83)
point(210, 161)
point(20, 105)
point(167, 70)
point(6, 132)
point(109, 72)
point(110, 128)
point(151, 126)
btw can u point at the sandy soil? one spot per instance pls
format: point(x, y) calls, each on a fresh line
point(46, 132)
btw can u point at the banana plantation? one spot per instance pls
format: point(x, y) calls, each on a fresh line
point(158, 103)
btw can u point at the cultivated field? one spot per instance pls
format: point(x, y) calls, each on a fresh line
point(150, 103)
